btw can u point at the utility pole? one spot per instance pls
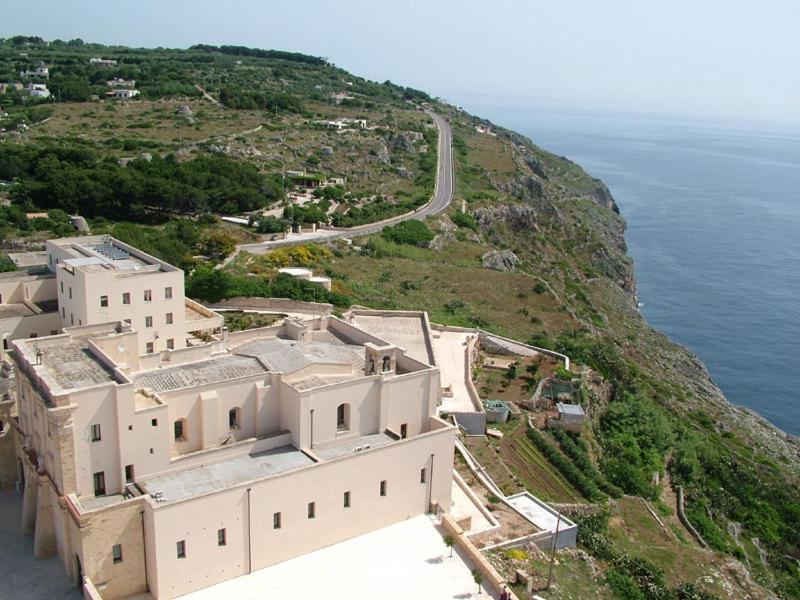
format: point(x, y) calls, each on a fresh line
point(553, 552)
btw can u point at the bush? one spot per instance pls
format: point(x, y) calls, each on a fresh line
point(411, 232)
point(465, 220)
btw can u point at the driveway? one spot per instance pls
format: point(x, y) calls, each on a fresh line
point(405, 560)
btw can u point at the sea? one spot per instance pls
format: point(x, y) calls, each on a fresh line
point(713, 213)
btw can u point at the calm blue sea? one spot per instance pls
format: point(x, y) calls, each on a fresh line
point(713, 217)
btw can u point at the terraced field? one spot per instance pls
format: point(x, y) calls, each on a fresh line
point(516, 464)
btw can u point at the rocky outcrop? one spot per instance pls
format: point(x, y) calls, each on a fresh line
point(500, 260)
point(381, 154)
point(602, 196)
point(524, 187)
point(536, 166)
point(516, 217)
point(401, 143)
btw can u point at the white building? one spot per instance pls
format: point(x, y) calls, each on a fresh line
point(167, 471)
point(37, 90)
point(123, 94)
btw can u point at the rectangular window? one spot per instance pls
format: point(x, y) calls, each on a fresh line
point(404, 431)
point(181, 547)
point(383, 487)
point(148, 295)
point(71, 319)
point(169, 318)
point(312, 510)
point(126, 297)
point(63, 313)
point(347, 499)
point(154, 422)
point(96, 433)
point(148, 321)
point(129, 473)
point(221, 541)
point(179, 430)
point(70, 292)
point(276, 520)
point(62, 287)
point(168, 293)
point(423, 475)
point(34, 335)
point(116, 553)
point(100, 483)
point(170, 344)
point(149, 348)
point(103, 301)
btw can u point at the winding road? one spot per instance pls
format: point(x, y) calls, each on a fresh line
point(442, 196)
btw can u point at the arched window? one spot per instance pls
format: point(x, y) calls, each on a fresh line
point(180, 430)
point(234, 421)
point(343, 417)
point(387, 364)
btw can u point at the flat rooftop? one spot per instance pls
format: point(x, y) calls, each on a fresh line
point(409, 332)
point(196, 481)
point(72, 365)
point(213, 370)
point(290, 356)
point(102, 252)
point(339, 448)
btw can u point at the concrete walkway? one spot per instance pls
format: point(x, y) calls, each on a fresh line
point(405, 560)
point(451, 349)
point(22, 575)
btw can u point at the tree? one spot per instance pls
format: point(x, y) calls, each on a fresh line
point(477, 577)
point(449, 542)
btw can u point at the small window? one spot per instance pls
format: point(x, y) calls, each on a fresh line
point(100, 483)
point(63, 313)
point(129, 473)
point(95, 433)
point(54, 332)
point(221, 539)
point(103, 301)
point(62, 287)
point(154, 422)
point(148, 321)
point(71, 319)
point(423, 475)
point(116, 553)
point(181, 547)
point(343, 417)
point(276, 520)
point(126, 297)
point(404, 431)
point(179, 432)
point(127, 321)
point(169, 318)
point(148, 295)
point(130, 427)
point(149, 348)
point(168, 293)
point(70, 292)
point(170, 344)
point(347, 499)
point(312, 510)
point(383, 487)
point(34, 335)
point(233, 418)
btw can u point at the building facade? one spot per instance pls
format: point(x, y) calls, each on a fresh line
point(169, 471)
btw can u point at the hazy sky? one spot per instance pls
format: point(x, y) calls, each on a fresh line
point(724, 58)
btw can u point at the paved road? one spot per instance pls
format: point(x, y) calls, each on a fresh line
point(442, 196)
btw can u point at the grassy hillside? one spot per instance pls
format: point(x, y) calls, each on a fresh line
point(538, 255)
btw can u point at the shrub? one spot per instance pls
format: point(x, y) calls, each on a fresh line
point(465, 220)
point(412, 232)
